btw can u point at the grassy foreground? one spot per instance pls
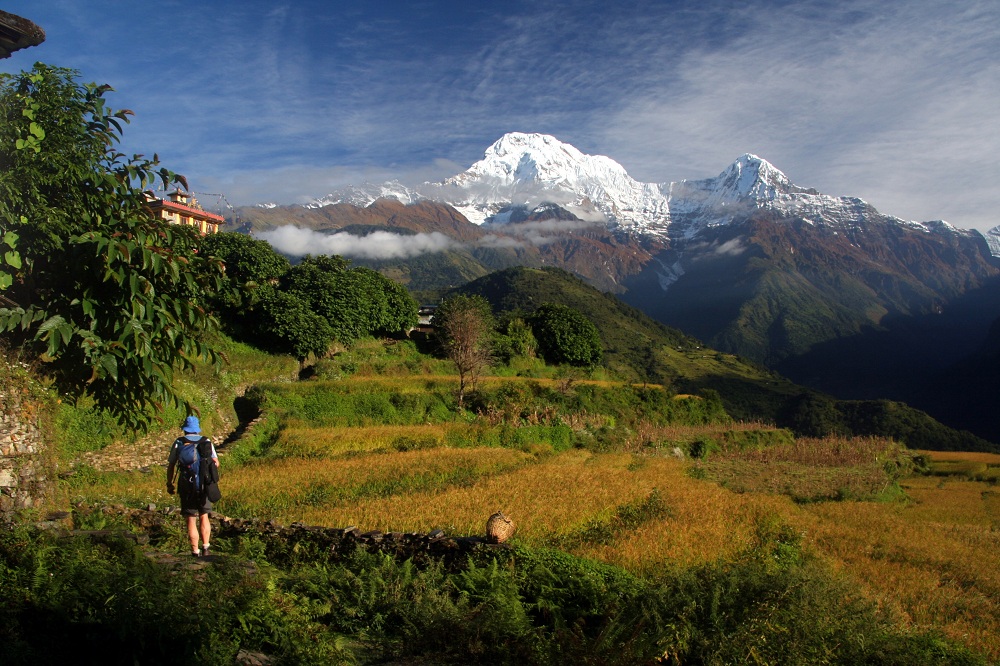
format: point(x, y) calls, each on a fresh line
point(651, 529)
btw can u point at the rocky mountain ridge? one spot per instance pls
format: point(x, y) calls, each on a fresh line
point(529, 170)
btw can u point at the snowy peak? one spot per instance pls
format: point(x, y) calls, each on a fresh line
point(529, 169)
point(538, 158)
point(751, 177)
point(993, 241)
point(366, 194)
point(527, 161)
point(749, 181)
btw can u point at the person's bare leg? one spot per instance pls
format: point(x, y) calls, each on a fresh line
point(192, 524)
point(206, 532)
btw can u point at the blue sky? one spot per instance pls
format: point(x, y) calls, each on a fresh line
point(897, 102)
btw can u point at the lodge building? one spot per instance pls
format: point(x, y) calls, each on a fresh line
point(182, 208)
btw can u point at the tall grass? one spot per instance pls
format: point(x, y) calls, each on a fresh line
point(303, 441)
point(810, 470)
point(296, 490)
point(932, 561)
point(929, 563)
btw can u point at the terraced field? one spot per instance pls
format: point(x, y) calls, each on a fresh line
point(576, 472)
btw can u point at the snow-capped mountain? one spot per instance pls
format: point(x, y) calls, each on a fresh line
point(527, 170)
point(366, 194)
point(993, 240)
point(824, 289)
point(532, 169)
point(752, 183)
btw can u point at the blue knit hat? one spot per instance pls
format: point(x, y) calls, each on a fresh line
point(191, 424)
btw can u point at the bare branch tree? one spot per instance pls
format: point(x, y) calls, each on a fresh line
point(463, 325)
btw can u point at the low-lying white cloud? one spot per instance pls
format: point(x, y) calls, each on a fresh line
point(537, 233)
point(730, 248)
point(298, 242)
point(499, 242)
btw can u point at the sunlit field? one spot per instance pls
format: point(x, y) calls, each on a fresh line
point(926, 549)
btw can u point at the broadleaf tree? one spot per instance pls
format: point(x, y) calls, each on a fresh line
point(283, 323)
point(356, 302)
point(110, 297)
point(250, 266)
point(566, 336)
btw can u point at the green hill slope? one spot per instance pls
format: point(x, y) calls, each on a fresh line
point(637, 348)
point(640, 349)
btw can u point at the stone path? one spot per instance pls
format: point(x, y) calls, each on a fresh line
point(145, 454)
point(151, 451)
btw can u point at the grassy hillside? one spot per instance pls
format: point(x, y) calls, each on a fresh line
point(639, 349)
point(633, 507)
point(634, 502)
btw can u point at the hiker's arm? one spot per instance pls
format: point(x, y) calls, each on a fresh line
point(170, 477)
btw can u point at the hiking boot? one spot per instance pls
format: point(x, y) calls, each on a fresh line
point(204, 550)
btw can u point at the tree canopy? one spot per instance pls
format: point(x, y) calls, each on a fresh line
point(566, 336)
point(251, 265)
point(110, 297)
point(356, 302)
point(302, 309)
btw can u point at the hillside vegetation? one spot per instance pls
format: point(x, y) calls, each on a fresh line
point(637, 348)
point(647, 533)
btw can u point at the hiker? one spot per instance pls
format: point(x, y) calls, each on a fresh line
point(188, 454)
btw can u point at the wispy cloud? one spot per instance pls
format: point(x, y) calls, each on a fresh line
point(894, 102)
point(500, 242)
point(888, 102)
point(537, 233)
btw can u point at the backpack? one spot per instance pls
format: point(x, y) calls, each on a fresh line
point(189, 460)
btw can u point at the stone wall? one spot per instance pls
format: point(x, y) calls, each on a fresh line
point(297, 540)
point(24, 468)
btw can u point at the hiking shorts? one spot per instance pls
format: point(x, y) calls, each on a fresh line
point(194, 504)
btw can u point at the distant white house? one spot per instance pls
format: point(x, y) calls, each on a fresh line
point(425, 314)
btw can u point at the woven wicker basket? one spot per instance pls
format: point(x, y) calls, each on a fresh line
point(499, 528)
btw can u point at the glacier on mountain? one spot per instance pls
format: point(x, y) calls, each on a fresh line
point(993, 240)
point(522, 169)
point(531, 169)
point(366, 194)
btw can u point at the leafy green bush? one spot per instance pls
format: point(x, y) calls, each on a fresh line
point(112, 298)
point(80, 428)
point(100, 600)
point(339, 404)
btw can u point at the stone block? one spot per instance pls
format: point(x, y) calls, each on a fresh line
point(8, 477)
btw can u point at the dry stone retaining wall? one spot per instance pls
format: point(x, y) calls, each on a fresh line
point(280, 540)
point(24, 469)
